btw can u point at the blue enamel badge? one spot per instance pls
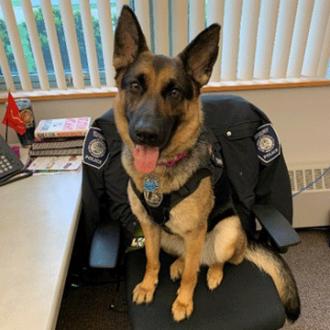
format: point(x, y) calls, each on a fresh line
point(267, 143)
point(95, 151)
point(150, 184)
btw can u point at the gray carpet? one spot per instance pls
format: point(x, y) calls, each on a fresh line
point(88, 307)
point(310, 263)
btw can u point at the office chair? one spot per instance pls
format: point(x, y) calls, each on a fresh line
point(247, 297)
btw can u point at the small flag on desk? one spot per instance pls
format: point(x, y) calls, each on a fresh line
point(12, 116)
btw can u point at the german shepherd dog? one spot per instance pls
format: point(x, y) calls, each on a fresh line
point(159, 118)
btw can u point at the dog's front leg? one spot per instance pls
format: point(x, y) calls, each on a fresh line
point(193, 245)
point(144, 291)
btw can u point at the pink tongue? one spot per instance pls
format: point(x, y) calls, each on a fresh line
point(145, 158)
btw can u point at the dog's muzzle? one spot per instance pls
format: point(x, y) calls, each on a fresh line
point(151, 128)
point(146, 133)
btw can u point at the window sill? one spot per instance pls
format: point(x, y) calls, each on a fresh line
point(106, 92)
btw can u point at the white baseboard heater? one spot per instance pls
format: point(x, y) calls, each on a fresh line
point(311, 207)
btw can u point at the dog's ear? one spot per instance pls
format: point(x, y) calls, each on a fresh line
point(129, 40)
point(200, 55)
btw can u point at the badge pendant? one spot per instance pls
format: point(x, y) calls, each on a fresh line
point(151, 194)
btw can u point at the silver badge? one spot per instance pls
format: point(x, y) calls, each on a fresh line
point(151, 194)
point(153, 199)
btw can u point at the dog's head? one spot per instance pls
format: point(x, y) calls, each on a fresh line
point(157, 109)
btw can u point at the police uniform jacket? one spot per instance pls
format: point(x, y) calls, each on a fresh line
point(243, 140)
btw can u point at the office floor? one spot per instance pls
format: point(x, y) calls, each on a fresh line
point(88, 307)
point(310, 263)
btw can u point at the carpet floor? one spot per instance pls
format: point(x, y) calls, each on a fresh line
point(88, 307)
point(310, 263)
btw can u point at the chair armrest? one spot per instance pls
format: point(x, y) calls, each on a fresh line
point(105, 246)
point(276, 226)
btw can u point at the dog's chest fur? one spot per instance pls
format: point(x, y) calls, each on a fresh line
point(191, 212)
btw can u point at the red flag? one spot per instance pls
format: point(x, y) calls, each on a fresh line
point(12, 116)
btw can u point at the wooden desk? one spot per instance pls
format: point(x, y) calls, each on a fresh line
point(38, 221)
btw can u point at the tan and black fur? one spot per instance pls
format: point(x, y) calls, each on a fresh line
point(169, 88)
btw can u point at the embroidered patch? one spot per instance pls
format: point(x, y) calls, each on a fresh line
point(95, 151)
point(267, 143)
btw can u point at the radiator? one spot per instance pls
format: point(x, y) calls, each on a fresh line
point(311, 207)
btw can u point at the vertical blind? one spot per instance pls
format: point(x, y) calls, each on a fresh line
point(35, 43)
point(16, 44)
point(260, 39)
point(86, 19)
point(55, 52)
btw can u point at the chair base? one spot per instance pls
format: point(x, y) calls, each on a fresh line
point(246, 299)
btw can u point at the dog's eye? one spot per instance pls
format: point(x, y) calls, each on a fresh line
point(174, 94)
point(135, 87)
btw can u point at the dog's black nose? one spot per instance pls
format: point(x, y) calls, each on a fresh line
point(146, 135)
point(150, 127)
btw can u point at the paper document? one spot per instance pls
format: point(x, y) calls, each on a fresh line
point(49, 164)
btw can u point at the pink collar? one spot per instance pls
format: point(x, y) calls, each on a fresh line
point(175, 160)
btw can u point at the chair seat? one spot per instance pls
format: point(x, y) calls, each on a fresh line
point(246, 299)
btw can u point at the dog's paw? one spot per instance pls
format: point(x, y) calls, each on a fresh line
point(176, 269)
point(142, 294)
point(181, 310)
point(214, 276)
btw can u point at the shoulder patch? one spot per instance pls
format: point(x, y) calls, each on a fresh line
point(95, 150)
point(267, 143)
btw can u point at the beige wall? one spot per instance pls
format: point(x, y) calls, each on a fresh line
point(300, 115)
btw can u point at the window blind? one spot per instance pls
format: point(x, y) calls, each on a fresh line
point(260, 39)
